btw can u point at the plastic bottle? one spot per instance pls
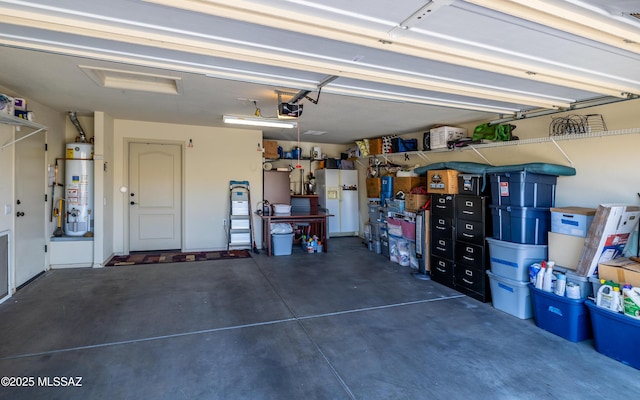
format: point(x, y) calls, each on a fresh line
point(540, 276)
point(606, 297)
point(631, 301)
point(548, 277)
point(617, 299)
point(561, 284)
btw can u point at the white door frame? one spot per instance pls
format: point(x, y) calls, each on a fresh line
point(125, 197)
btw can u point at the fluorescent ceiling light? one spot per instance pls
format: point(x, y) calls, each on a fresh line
point(253, 121)
point(314, 133)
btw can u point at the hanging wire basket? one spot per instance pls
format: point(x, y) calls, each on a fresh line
point(577, 125)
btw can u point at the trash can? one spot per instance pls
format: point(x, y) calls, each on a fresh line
point(281, 244)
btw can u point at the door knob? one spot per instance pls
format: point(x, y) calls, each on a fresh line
point(133, 203)
point(20, 214)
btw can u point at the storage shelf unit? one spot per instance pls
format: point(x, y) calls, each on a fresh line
point(7, 119)
point(477, 148)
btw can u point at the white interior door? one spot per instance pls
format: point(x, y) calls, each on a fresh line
point(29, 208)
point(155, 196)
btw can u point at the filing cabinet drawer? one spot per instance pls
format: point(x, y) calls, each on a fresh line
point(470, 231)
point(471, 255)
point(471, 208)
point(441, 226)
point(443, 205)
point(442, 247)
point(442, 271)
point(470, 278)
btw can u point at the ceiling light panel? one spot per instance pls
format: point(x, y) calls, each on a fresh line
point(130, 80)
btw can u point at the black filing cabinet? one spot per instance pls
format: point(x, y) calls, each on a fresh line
point(472, 227)
point(459, 252)
point(443, 238)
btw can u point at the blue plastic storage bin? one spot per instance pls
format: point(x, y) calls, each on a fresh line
point(386, 191)
point(526, 225)
point(565, 317)
point(615, 335)
point(523, 189)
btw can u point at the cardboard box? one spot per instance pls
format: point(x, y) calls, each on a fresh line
point(621, 270)
point(441, 135)
point(405, 184)
point(442, 181)
point(565, 250)
point(374, 186)
point(413, 202)
point(20, 104)
point(607, 236)
point(375, 146)
point(270, 148)
point(572, 220)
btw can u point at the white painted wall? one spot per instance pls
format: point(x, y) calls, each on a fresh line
point(218, 155)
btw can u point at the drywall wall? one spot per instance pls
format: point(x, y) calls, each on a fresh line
point(218, 155)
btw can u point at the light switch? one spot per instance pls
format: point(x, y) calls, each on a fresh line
point(7, 209)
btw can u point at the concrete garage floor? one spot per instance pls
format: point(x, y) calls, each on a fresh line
point(344, 325)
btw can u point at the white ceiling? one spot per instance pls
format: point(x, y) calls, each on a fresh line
point(398, 67)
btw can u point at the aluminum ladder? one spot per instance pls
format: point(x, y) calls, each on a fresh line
point(239, 226)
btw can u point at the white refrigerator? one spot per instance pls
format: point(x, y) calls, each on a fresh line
point(338, 194)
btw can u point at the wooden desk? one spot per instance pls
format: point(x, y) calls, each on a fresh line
point(318, 221)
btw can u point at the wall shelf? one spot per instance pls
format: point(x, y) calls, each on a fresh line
point(477, 148)
point(7, 119)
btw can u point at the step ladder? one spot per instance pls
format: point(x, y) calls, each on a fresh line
point(239, 225)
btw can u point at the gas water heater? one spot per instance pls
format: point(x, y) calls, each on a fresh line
point(79, 189)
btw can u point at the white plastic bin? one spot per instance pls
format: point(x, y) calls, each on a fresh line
point(512, 260)
point(281, 244)
point(512, 297)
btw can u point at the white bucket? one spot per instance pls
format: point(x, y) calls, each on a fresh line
point(281, 209)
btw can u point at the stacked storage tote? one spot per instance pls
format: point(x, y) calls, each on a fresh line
point(520, 210)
